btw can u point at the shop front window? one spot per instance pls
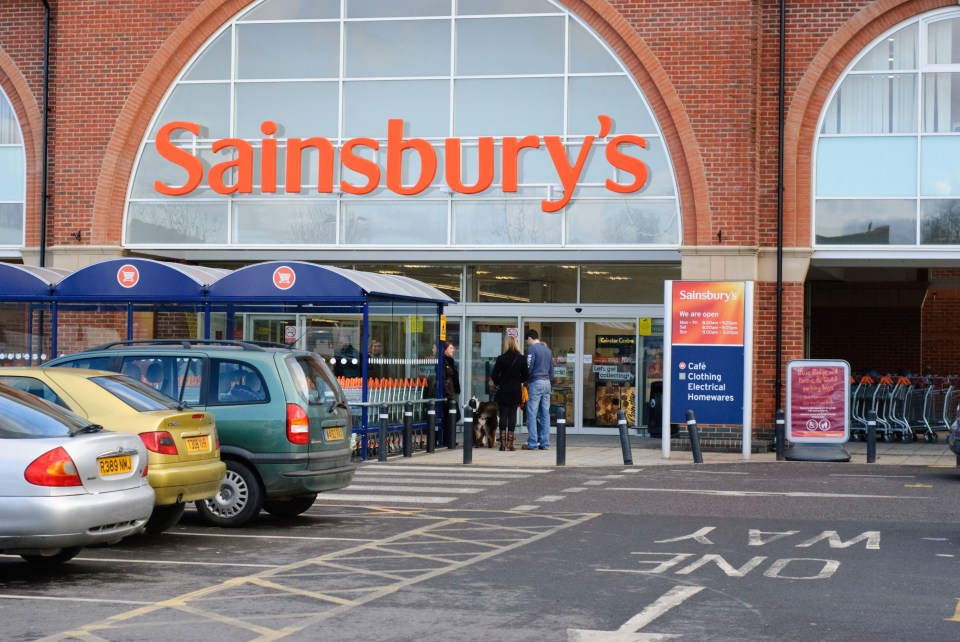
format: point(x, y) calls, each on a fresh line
point(506, 283)
point(12, 176)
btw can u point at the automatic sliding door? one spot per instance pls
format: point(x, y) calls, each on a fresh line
point(561, 338)
point(609, 373)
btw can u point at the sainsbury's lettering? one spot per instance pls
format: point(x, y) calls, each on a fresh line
point(242, 162)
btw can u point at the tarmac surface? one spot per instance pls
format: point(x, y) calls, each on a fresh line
point(606, 450)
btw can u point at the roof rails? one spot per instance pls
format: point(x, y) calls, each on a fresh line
point(183, 343)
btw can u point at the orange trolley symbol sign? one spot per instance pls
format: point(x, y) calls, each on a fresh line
point(284, 277)
point(128, 276)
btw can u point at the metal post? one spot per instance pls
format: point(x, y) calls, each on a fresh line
point(467, 434)
point(694, 437)
point(431, 426)
point(382, 434)
point(624, 438)
point(871, 436)
point(451, 436)
point(408, 429)
point(781, 435)
point(561, 436)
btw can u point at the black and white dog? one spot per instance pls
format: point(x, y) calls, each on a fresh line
point(486, 419)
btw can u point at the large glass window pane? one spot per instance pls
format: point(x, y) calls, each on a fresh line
point(625, 283)
point(943, 42)
point(214, 62)
point(495, 46)
point(153, 167)
point(288, 50)
point(300, 109)
point(424, 106)
point(446, 278)
point(940, 222)
point(508, 107)
point(286, 222)
point(614, 96)
point(941, 172)
point(9, 124)
point(494, 7)
point(866, 222)
point(627, 221)
point(659, 172)
point(490, 222)
point(873, 104)
point(208, 105)
point(862, 166)
point(941, 102)
point(183, 222)
point(11, 173)
point(11, 224)
point(294, 10)
point(397, 48)
point(896, 51)
point(587, 54)
point(394, 223)
point(407, 8)
point(524, 283)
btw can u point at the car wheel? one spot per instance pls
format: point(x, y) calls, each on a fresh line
point(238, 501)
point(51, 560)
point(289, 507)
point(164, 518)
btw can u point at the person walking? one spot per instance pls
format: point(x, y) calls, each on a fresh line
point(540, 367)
point(508, 375)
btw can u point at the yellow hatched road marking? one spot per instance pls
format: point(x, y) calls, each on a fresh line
point(956, 614)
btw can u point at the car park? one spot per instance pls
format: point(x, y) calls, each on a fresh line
point(182, 444)
point(283, 420)
point(65, 483)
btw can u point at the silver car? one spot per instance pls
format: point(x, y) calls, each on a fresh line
point(64, 483)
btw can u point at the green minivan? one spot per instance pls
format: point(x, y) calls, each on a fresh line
point(283, 420)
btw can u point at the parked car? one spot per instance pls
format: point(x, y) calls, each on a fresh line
point(65, 483)
point(182, 444)
point(283, 420)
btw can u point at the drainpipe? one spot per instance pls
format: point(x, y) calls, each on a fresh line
point(780, 115)
point(43, 115)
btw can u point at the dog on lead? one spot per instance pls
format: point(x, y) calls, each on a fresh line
point(486, 420)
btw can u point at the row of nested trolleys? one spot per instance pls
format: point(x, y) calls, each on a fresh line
point(905, 407)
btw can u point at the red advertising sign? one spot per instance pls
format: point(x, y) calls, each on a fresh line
point(708, 313)
point(818, 398)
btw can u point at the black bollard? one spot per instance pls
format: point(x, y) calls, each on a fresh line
point(467, 434)
point(694, 437)
point(561, 436)
point(871, 436)
point(382, 434)
point(451, 435)
point(781, 435)
point(408, 429)
point(624, 438)
point(431, 426)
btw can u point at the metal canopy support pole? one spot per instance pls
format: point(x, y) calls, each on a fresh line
point(206, 320)
point(364, 340)
point(53, 331)
point(129, 321)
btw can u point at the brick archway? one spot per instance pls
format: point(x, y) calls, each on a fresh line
point(823, 72)
point(27, 108)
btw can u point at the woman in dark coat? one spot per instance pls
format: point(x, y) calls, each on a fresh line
point(451, 377)
point(509, 373)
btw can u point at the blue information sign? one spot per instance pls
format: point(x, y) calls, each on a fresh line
point(707, 379)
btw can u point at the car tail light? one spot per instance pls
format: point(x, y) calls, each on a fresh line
point(144, 475)
point(159, 442)
point(298, 425)
point(54, 468)
point(216, 440)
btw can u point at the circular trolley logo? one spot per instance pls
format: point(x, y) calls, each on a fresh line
point(284, 277)
point(128, 276)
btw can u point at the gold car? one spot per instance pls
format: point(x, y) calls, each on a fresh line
point(183, 449)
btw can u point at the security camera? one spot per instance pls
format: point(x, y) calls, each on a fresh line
point(578, 310)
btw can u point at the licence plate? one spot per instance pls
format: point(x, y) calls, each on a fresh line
point(115, 465)
point(333, 434)
point(197, 444)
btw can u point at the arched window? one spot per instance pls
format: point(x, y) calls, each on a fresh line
point(12, 177)
point(463, 69)
point(887, 168)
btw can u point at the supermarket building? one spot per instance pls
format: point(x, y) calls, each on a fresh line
point(546, 163)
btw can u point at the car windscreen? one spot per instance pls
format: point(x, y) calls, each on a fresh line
point(313, 379)
point(138, 396)
point(23, 416)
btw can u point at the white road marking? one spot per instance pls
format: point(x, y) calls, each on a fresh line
point(549, 498)
point(877, 476)
point(594, 482)
point(405, 499)
point(412, 489)
point(526, 507)
point(243, 536)
point(413, 474)
point(577, 489)
point(424, 483)
point(629, 631)
point(703, 471)
point(479, 469)
point(98, 600)
point(758, 493)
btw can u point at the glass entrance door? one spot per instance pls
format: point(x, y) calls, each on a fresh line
point(561, 338)
point(609, 373)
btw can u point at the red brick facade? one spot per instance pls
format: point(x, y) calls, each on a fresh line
point(709, 69)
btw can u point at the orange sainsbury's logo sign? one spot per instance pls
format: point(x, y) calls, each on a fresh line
point(510, 147)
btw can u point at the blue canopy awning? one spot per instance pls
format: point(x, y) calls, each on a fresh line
point(301, 282)
point(24, 283)
point(130, 280)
